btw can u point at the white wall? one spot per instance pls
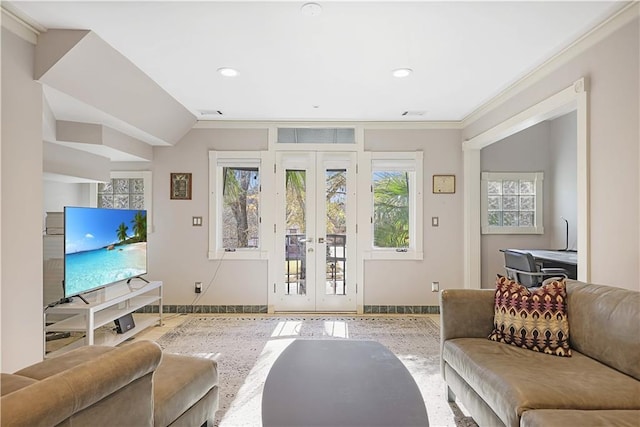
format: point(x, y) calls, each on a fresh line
point(612, 68)
point(563, 182)
point(57, 195)
point(526, 151)
point(548, 147)
point(21, 280)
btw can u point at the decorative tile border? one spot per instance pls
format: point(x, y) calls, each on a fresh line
point(401, 309)
point(217, 309)
point(206, 309)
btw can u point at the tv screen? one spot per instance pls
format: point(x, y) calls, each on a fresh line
point(102, 246)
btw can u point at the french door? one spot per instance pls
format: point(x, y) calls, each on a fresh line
point(315, 249)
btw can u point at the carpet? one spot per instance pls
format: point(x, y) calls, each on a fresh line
point(245, 347)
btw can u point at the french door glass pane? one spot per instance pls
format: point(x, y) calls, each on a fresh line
point(336, 197)
point(295, 237)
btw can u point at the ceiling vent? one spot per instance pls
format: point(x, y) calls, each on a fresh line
point(210, 112)
point(413, 113)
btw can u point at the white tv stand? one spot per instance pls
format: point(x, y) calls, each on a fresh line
point(105, 306)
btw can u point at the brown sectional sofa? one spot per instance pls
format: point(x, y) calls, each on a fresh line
point(504, 385)
point(133, 385)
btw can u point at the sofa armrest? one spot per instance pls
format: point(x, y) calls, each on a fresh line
point(58, 397)
point(466, 313)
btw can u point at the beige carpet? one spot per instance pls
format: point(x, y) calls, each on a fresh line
point(246, 347)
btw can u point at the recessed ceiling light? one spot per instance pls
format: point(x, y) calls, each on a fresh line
point(311, 9)
point(402, 72)
point(228, 72)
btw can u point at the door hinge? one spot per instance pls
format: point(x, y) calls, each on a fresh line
point(274, 228)
point(274, 168)
point(356, 228)
point(356, 168)
point(274, 288)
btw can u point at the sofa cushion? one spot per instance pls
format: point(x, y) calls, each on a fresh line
point(11, 382)
point(605, 324)
point(562, 418)
point(71, 359)
point(179, 383)
point(512, 380)
point(532, 319)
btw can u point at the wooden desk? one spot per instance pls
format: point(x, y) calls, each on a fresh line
point(555, 259)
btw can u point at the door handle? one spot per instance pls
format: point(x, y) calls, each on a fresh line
point(310, 250)
point(320, 239)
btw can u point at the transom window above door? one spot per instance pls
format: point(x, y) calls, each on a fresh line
point(316, 136)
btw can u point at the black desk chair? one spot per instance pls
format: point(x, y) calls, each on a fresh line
point(521, 267)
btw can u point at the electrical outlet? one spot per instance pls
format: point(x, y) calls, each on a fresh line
point(435, 286)
point(198, 287)
point(435, 221)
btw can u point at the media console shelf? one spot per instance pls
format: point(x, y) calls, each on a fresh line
point(105, 306)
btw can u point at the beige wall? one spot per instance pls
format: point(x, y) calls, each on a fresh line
point(178, 251)
point(409, 282)
point(611, 67)
point(21, 280)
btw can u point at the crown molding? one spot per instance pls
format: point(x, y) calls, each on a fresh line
point(626, 14)
point(247, 124)
point(20, 27)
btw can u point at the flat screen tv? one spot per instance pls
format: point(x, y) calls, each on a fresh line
point(102, 246)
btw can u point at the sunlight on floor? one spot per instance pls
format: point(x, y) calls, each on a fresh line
point(288, 328)
point(246, 409)
point(336, 328)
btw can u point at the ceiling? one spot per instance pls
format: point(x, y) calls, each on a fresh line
point(335, 65)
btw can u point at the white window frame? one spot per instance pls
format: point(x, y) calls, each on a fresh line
point(217, 161)
point(537, 177)
point(148, 192)
point(405, 161)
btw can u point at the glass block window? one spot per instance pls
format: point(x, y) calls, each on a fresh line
point(122, 193)
point(512, 203)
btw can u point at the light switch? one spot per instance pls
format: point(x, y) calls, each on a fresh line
point(434, 221)
point(197, 221)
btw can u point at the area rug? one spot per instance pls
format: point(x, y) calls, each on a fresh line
point(245, 347)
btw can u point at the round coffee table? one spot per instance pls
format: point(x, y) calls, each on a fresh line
point(341, 383)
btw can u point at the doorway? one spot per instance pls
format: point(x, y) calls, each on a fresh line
point(315, 236)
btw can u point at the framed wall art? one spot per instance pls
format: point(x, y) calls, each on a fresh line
point(444, 184)
point(180, 186)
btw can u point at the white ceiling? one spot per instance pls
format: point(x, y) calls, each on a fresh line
point(333, 66)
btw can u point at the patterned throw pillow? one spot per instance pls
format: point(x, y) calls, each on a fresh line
point(535, 320)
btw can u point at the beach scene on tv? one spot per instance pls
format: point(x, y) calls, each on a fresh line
point(103, 246)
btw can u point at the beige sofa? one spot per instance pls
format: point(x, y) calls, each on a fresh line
point(505, 385)
point(132, 385)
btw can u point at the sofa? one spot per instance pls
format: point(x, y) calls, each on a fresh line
point(135, 384)
point(506, 385)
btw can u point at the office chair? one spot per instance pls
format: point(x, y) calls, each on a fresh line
point(521, 267)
